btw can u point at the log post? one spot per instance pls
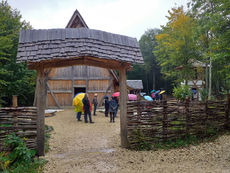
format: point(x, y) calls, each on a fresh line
point(15, 105)
point(227, 112)
point(41, 103)
point(123, 106)
point(187, 115)
point(165, 121)
point(15, 101)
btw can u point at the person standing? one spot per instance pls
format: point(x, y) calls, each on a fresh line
point(116, 99)
point(112, 109)
point(95, 102)
point(87, 109)
point(106, 106)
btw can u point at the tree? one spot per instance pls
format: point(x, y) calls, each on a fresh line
point(149, 73)
point(213, 27)
point(15, 79)
point(177, 46)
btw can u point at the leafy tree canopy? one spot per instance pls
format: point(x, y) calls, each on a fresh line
point(15, 79)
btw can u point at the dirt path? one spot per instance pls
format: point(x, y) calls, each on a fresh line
point(94, 148)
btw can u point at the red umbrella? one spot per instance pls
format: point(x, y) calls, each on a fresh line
point(116, 94)
point(132, 97)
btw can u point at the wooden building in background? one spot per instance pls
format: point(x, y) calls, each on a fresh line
point(64, 83)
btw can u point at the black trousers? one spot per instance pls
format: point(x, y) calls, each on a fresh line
point(112, 116)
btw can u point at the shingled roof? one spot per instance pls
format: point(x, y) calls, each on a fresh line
point(69, 43)
point(134, 84)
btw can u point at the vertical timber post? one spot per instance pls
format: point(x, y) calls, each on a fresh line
point(123, 106)
point(41, 102)
point(227, 112)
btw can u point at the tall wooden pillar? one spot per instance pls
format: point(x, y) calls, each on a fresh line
point(123, 107)
point(41, 103)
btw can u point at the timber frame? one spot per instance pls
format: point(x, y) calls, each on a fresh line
point(45, 49)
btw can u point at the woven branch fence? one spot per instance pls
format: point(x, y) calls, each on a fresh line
point(22, 121)
point(170, 120)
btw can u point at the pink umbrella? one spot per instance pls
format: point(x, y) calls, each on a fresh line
point(132, 97)
point(116, 94)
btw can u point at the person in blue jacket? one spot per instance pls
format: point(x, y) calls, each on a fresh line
point(112, 109)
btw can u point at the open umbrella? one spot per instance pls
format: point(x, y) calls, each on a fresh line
point(157, 92)
point(152, 91)
point(162, 92)
point(116, 94)
point(132, 97)
point(148, 98)
point(77, 102)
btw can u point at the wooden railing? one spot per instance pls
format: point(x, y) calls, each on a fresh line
point(22, 121)
point(170, 120)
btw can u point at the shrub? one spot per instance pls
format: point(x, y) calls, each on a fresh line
point(20, 158)
point(181, 92)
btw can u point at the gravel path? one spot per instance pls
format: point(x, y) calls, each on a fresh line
point(95, 148)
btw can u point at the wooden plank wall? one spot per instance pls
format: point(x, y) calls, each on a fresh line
point(163, 121)
point(62, 82)
point(22, 121)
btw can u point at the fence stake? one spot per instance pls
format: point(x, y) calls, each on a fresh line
point(187, 114)
point(165, 120)
point(15, 105)
point(227, 112)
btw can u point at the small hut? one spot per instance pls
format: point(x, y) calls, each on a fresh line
point(134, 86)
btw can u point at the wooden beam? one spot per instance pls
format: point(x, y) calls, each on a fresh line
point(78, 78)
point(72, 79)
point(90, 61)
point(123, 107)
point(41, 101)
point(87, 80)
point(61, 91)
point(52, 94)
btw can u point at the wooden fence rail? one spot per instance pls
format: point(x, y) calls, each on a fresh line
point(163, 121)
point(22, 121)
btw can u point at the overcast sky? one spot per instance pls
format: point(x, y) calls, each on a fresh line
point(126, 17)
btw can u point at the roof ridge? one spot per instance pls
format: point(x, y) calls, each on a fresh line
point(76, 15)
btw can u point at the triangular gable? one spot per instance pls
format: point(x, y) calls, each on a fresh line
point(76, 21)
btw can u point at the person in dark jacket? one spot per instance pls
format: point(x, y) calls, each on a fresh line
point(87, 109)
point(112, 109)
point(95, 102)
point(116, 99)
point(106, 106)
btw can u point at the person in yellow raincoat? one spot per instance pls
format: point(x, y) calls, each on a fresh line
point(77, 102)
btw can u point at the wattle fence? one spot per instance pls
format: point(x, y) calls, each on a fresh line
point(22, 121)
point(170, 120)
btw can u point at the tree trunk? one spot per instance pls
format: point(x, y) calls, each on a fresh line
point(210, 79)
point(154, 79)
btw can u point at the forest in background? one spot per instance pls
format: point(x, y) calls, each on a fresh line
point(200, 33)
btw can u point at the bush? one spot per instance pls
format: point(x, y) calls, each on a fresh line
point(203, 94)
point(181, 92)
point(20, 158)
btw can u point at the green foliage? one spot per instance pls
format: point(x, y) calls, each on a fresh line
point(180, 142)
point(141, 140)
point(181, 92)
point(149, 73)
point(15, 79)
point(177, 46)
point(213, 32)
point(203, 94)
point(20, 158)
